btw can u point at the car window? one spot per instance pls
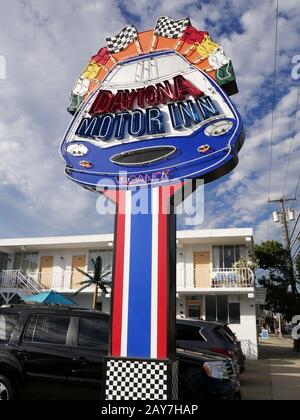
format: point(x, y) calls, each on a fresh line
point(47, 329)
point(7, 325)
point(229, 332)
point(93, 332)
point(189, 332)
point(30, 328)
point(220, 332)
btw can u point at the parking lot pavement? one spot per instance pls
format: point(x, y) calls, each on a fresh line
point(276, 376)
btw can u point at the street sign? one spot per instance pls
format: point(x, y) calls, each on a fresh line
point(151, 113)
point(260, 296)
point(264, 335)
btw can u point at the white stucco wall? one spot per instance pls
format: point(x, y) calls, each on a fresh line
point(246, 331)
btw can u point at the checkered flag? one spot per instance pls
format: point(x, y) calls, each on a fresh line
point(121, 41)
point(170, 28)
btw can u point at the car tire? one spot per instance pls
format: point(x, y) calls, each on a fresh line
point(6, 389)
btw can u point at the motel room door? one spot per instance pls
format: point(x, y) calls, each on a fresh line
point(194, 308)
point(46, 272)
point(78, 261)
point(202, 269)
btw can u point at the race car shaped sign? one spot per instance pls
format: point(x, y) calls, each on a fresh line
point(151, 109)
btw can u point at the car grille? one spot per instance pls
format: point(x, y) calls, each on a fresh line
point(230, 370)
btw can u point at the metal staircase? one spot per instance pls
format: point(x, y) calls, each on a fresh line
point(14, 282)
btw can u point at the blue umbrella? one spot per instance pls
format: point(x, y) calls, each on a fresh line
point(50, 298)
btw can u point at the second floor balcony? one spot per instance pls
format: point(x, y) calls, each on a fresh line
point(187, 279)
point(208, 278)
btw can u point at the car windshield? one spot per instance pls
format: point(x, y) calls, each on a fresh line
point(147, 69)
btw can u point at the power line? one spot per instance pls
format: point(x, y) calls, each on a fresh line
point(296, 253)
point(295, 240)
point(288, 247)
point(291, 143)
point(297, 187)
point(273, 98)
point(298, 218)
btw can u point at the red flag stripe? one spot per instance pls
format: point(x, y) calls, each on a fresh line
point(162, 277)
point(118, 276)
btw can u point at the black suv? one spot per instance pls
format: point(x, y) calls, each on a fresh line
point(212, 336)
point(58, 353)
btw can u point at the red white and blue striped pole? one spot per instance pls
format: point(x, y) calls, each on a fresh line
point(143, 306)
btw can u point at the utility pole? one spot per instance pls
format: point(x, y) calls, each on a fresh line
point(284, 221)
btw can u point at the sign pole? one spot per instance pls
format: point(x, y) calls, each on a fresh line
point(142, 362)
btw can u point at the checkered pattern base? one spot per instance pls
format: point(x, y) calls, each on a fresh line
point(128, 379)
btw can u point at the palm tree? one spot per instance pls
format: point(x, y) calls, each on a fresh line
point(99, 279)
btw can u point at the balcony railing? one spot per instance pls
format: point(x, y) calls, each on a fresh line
point(214, 278)
point(60, 280)
point(14, 279)
point(186, 279)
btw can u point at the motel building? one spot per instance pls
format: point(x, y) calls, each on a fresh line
point(209, 286)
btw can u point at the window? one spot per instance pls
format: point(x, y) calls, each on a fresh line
point(27, 262)
point(194, 297)
point(194, 310)
point(3, 261)
point(30, 329)
point(222, 309)
point(7, 325)
point(105, 254)
point(99, 306)
point(211, 308)
point(218, 309)
point(228, 256)
point(189, 333)
point(234, 313)
point(221, 332)
point(93, 332)
point(225, 256)
point(240, 252)
point(218, 260)
point(47, 329)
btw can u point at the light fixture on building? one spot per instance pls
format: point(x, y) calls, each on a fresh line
point(275, 216)
point(61, 259)
point(179, 244)
point(110, 244)
point(291, 213)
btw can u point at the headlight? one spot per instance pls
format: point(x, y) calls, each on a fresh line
point(216, 370)
point(218, 128)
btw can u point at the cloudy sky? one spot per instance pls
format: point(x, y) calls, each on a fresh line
point(46, 44)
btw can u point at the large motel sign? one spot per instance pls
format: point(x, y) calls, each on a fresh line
point(151, 112)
